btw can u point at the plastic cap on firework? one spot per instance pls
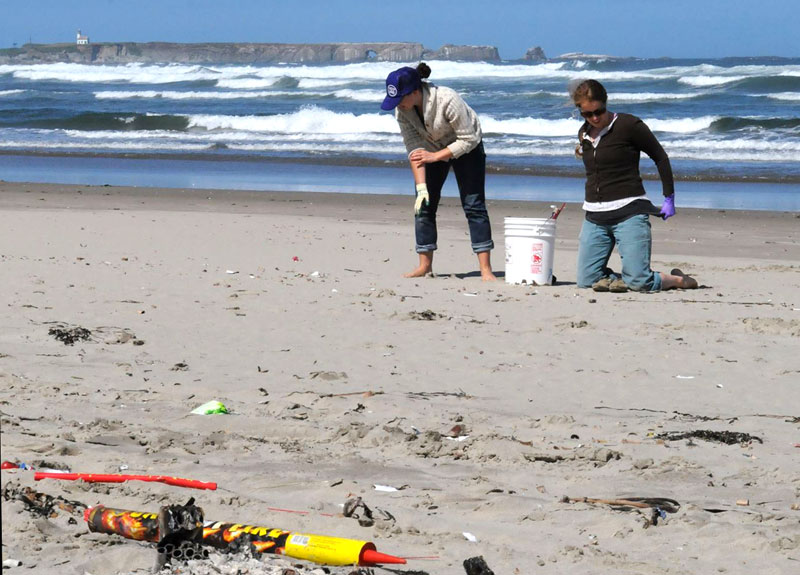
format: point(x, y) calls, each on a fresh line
point(373, 557)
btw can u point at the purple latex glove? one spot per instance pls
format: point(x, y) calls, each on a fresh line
point(668, 207)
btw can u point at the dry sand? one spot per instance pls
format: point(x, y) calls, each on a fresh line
point(341, 375)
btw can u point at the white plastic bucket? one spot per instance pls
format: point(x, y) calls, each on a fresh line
point(530, 248)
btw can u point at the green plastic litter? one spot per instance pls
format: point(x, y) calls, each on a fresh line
point(211, 408)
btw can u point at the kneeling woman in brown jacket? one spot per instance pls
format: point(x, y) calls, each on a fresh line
point(617, 209)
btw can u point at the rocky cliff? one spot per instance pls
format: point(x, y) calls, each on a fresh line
point(239, 53)
point(466, 53)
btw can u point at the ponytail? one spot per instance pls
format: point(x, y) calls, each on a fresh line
point(423, 70)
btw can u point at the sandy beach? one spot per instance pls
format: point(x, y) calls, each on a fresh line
point(483, 405)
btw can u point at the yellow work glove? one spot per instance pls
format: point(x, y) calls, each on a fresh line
point(422, 196)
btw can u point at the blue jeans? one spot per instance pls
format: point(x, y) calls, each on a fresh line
point(470, 170)
point(634, 242)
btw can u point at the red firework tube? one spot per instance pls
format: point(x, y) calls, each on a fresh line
point(121, 478)
point(557, 211)
point(233, 536)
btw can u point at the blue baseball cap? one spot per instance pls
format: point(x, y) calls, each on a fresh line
point(400, 84)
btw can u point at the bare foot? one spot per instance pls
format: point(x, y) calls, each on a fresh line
point(420, 271)
point(488, 276)
point(485, 265)
point(424, 268)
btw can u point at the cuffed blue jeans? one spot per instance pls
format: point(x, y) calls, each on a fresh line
point(633, 240)
point(470, 170)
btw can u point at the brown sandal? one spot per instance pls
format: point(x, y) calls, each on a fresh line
point(687, 282)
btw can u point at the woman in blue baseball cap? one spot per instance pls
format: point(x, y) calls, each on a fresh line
point(439, 131)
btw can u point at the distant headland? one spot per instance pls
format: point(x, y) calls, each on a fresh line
point(247, 53)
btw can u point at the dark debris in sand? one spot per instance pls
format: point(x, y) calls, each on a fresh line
point(726, 437)
point(70, 335)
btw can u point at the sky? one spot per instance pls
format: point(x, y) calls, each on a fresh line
point(639, 28)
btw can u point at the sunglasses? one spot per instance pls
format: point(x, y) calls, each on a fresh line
point(596, 113)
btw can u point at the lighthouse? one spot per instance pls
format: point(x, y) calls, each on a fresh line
point(82, 40)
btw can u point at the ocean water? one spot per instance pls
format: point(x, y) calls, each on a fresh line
point(731, 122)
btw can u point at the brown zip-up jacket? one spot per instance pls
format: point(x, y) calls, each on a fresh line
point(612, 168)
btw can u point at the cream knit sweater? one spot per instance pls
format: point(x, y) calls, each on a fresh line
point(449, 123)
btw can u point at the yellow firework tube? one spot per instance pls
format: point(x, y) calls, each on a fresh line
point(333, 550)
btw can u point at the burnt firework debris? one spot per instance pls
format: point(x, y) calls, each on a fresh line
point(41, 503)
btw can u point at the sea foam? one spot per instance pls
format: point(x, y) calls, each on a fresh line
point(310, 119)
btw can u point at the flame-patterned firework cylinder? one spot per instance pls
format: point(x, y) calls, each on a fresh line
point(136, 525)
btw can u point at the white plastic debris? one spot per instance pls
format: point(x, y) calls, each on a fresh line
point(459, 438)
point(469, 537)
